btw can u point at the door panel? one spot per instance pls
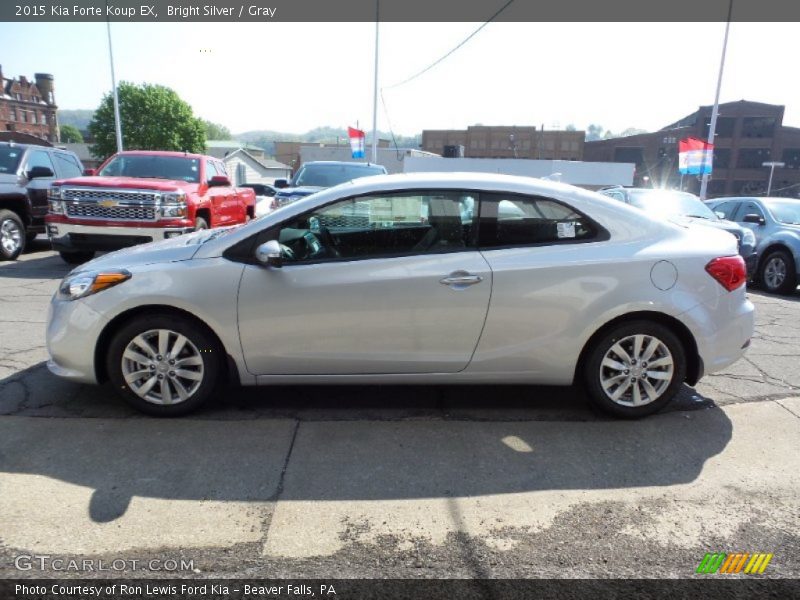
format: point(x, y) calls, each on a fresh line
point(383, 315)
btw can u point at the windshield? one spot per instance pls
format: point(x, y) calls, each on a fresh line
point(320, 175)
point(153, 167)
point(671, 204)
point(9, 159)
point(785, 211)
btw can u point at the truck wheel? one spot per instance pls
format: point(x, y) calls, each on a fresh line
point(200, 223)
point(76, 258)
point(164, 365)
point(12, 235)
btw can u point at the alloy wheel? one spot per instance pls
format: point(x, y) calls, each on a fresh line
point(775, 272)
point(636, 370)
point(162, 366)
point(10, 236)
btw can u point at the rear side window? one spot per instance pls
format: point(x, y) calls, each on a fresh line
point(508, 220)
point(68, 165)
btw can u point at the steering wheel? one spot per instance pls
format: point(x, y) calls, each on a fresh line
point(287, 252)
point(324, 235)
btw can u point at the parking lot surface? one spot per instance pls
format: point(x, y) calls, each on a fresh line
point(391, 481)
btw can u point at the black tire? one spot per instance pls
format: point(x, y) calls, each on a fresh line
point(12, 235)
point(74, 257)
point(200, 223)
point(198, 336)
point(769, 281)
point(623, 333)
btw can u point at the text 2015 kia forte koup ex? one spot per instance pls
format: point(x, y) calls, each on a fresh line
point(419, 279)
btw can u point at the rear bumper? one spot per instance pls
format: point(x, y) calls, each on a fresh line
point(70, 236)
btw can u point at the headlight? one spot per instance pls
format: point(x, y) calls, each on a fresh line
point(54, 193)
point(85, 284)
point(55, 207)
point(748, 238)
point(173, 205)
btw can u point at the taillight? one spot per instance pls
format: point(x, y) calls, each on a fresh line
point(729, 271)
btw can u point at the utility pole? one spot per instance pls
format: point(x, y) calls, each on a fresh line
point(117, 122)
point(375, 89)
point(714, 111)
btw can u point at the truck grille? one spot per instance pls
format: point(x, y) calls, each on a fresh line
point(133, 205)
point(93, 211)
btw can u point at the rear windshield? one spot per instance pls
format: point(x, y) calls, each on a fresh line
point(9, 159)
point(329, 175)
point(153, 167)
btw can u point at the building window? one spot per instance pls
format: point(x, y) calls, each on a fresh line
point(724, 127)
point(752, 158)
point(44, 119)
point(749, 188)
point(758, 127)
point(722, 158)
point(23, 116)
point(791, 157)
point(629, 155)
point(12, 114)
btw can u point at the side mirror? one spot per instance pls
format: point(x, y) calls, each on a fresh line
point(269, 254)
point(219, 181)
point(754, 218)
point(40, 173)
point(281, 183)
point(90, 172)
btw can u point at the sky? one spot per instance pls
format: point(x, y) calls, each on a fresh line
point(292, 77)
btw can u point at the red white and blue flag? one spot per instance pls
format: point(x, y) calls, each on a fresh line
point(695, 156)
point(357, 142)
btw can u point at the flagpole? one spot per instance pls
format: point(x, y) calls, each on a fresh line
point(375, 88)
point(714, 111)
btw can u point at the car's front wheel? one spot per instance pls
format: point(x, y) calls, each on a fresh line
point(635, 369)
point(164, 364)
point(12, 235)
point(778, 274)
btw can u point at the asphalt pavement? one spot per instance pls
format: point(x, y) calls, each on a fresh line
point(392, 481)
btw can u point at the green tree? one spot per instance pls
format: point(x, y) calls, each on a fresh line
point(153, 118)
point(215, 131)
point(70, 134)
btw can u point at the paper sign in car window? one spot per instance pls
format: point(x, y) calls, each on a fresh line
point(565, 229)
point(395, 210)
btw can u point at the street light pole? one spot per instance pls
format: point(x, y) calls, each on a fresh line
point(771, 165)
point(117, 122)
point(375, 90)
point(714, 111)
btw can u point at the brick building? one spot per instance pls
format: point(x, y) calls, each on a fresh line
point(747, 135)
point(481, 141)
point(29, 106)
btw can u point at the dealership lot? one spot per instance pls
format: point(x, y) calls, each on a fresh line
point(394, 481)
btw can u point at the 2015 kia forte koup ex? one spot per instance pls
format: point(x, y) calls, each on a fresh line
point(418, 279)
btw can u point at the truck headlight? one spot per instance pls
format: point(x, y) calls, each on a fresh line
point(85, 284)
point(173, 205)
point(54, 193)
point(56, 207)
point(748, 237)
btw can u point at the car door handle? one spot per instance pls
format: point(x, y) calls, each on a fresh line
point(461, 279)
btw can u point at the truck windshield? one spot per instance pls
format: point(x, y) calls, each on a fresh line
point(9, 159)
point(321, 175)
point(153, 167)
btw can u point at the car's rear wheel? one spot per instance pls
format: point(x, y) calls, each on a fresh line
point(778, 274)
point(164, 364)
point(76, 257)
point(635, 369)
point(12, 235)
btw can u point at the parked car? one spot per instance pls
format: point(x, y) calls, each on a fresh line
point(570, 287)
point(318, 175)
point(26, 173)
point(141, 196)
point(265, 197)
point(775, 222)
point(689, 209)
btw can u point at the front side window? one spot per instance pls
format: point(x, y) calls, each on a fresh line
point(750, 208)
point(39, 158)
point(509, 220)
point(68, 166)
point(384, 225)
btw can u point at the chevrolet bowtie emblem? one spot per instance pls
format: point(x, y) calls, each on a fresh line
point(107, 203)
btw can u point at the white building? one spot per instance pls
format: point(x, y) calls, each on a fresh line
point(243, 167)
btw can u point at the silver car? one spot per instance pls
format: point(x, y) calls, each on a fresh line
point(775, 222)
point(413, 279)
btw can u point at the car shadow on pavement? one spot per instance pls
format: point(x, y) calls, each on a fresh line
point(343, 443)
point(793, 297)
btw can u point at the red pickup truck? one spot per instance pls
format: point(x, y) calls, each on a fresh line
point(142, 196)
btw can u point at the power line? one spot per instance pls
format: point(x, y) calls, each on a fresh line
point(464, 41)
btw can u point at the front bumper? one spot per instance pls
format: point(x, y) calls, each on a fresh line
point(71, 236)
point(72, 333)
